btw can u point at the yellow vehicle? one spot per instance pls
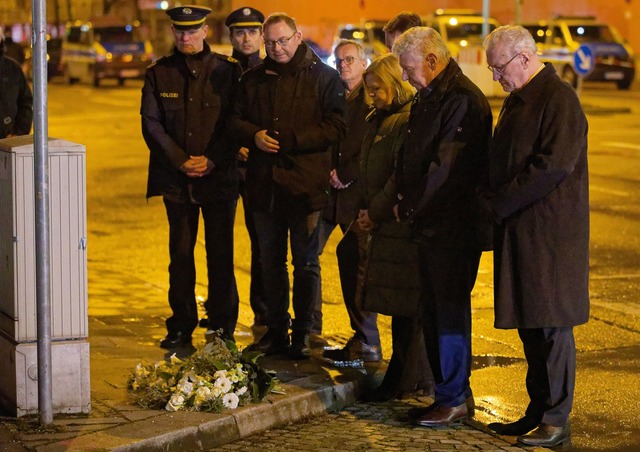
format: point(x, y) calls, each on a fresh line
point(104, 48)
point(459, 27)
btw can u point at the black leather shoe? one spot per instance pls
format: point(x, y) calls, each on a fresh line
point(299, 346)
point(174, 340)
point(548, 436)
point(441, 416)
point(520, 427)
point(272, 343)
point(417, 412)
point(354, 350)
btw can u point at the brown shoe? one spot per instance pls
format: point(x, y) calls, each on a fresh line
point(441, 416)
point(415, 413)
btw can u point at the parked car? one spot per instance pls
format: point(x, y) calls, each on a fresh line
point(54, 54)
point(368, 33)
point(459, 27)
point(105, 48)
point(559, 38)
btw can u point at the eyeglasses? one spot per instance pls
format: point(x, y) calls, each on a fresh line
point(499, 70)
point(282, 42)
point(349, 60)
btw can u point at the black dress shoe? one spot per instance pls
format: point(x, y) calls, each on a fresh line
point(442, 416)
point(558, 438)
point(417, 412)
point(272, 343)
point(300, 348)
point(520, 427)
point(174, 340)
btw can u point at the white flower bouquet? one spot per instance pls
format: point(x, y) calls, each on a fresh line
point(215, 377)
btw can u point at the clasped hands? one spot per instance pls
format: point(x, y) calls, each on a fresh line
point(197, 166)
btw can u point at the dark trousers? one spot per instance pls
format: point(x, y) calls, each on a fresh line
point(408, 368)
point(273, 232)
point(256, 297)
point(551, 373)
point(447, 276)
point(351, 254)
point(222, 301)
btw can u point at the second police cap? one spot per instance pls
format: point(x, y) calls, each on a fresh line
point(246, 17)
point(187, 17)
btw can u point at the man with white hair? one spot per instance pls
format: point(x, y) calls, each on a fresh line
point(539, 197)
point(439, 169)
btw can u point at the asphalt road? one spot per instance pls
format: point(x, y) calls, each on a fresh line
point(127, 235)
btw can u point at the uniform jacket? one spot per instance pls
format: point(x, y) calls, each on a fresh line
point(16, 100)
point(392, 282)
point(303, 100)
point(185, 106)
point(343, 204)
point(538, 172)
point(444, 161)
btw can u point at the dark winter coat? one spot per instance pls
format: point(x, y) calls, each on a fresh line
point(303, 101)
point(392, 282)
point(343, 204)
point(444, 161)
point(185, 106)
point(16, 100)
point(538, 172)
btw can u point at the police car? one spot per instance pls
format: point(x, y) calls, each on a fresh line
point(104, 48)
point(559, 39)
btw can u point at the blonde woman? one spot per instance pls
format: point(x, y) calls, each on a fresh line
point(391, 285)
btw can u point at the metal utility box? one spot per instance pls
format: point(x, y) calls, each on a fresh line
point(68, 276)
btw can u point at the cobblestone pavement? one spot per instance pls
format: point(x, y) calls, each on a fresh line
point(381, 426)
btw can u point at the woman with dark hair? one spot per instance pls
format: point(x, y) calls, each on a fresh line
point(391, 285)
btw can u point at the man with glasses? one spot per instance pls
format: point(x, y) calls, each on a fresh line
point(539, 198)
point(186, 100)
point(289, 111)
point(439, 169)
point(343, 208)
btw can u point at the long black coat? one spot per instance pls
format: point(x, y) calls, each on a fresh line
point(392, 284)
point(16, 100)
point(538, 171)
point(303, 101)
point(185, 105)
point(443, 162)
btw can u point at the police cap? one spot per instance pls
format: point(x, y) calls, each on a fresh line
point(187, 17)
point(246, 17)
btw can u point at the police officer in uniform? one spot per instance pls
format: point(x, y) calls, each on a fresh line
point(245, 34)
point(185, 101)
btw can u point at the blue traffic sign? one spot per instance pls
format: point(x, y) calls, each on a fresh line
point(583, 60)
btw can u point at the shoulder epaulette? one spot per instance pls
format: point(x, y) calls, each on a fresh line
point(224, 57)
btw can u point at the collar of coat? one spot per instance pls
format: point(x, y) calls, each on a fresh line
point(303, 58)
point(531, 90)
point(439, 85)
point(395, 107)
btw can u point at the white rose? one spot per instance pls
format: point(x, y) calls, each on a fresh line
point(175, 403)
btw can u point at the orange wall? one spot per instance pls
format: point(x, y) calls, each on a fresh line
point(319, 18)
